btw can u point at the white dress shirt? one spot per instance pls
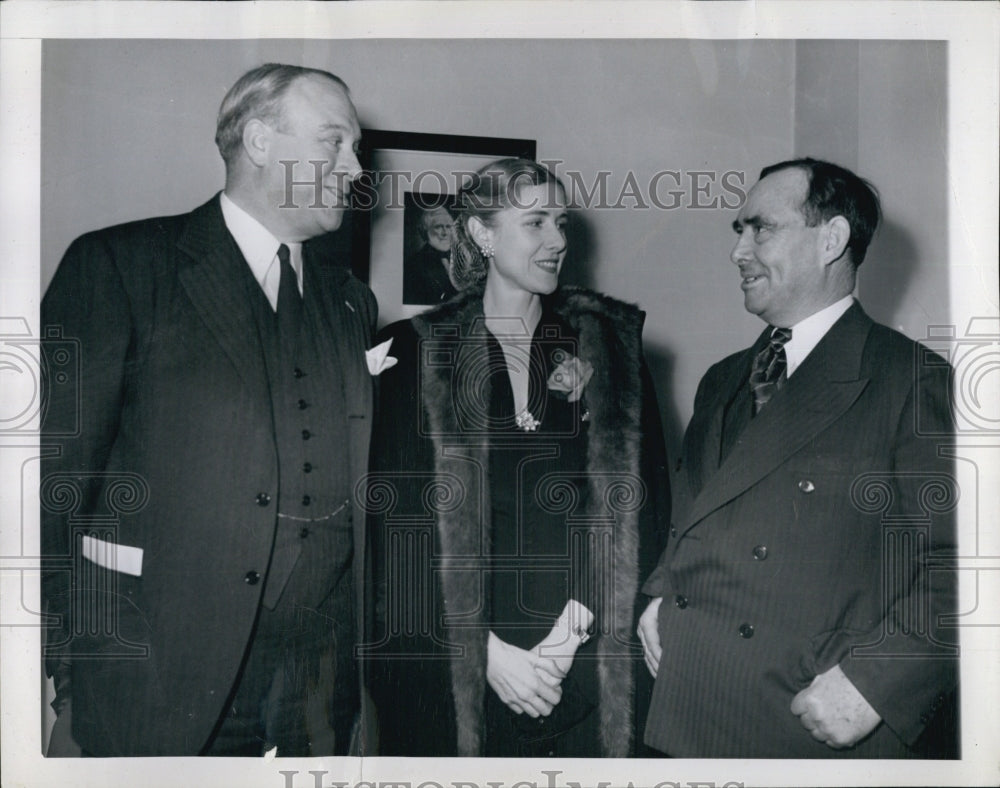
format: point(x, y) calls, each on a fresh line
point(807, 333)
point(260, 249)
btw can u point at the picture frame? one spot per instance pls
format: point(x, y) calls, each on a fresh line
point(407, 174)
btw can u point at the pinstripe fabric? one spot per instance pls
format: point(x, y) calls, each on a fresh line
point(776, 569)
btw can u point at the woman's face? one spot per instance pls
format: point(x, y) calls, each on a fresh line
point(529, 240)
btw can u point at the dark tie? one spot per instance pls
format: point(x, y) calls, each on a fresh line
point(769, 368)
point(289, 301)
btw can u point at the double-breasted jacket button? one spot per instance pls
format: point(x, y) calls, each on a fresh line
point(307, 467)
point(298, 373)
point(681, 601)
point(303, 404)
point(673, 530)
point(806, 486)
point(306, 500)
point(263, 499)
point(306, 435)
point(760, 552)
point(746, 631)
point(251, 578)
point(303, 532)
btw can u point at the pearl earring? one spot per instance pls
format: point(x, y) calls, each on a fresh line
point(487, 250)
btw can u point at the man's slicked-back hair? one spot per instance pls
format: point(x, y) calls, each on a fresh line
point(258, 94)
point(836, 191)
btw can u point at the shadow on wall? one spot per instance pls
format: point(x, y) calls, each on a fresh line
point(661, 362)
point(886, 275)
point(580, 263)
point(580, 267)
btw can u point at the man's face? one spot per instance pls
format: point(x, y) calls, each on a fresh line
point(781, 270)
point(315, 146)
point(439, 228)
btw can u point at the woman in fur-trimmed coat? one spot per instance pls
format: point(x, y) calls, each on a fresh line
point(518, 493)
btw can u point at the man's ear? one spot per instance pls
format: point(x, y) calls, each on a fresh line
point(834, 239)
point(257, 141)
point(480, 233)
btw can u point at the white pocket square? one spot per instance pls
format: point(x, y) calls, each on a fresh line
point(116, 557)
point(378, 358)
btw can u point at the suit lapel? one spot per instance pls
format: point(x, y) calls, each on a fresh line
point(214, 278)
point(822, 389)
point(705, 436)
point(348, 328)
point(350, 333)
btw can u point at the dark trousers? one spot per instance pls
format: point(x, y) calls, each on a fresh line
point(297, 690)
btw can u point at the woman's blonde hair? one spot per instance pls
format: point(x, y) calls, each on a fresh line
point(494, 188)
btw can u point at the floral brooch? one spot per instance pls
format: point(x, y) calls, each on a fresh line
point(568, 380)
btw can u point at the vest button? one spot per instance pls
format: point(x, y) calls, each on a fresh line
point(306, 435)
point(251, 578)
point(303, 532)
point(298, 373)
point(746, 631)
point(760, 552)
point(307, 467)
point(306, 500)
point(263, 499)
point(303, 404)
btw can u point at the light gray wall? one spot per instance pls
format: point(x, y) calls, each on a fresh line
point(128, 128)
point(880, 108)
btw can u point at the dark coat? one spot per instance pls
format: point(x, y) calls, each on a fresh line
point(175, 442)
point(810, 545)
point(427, 461)
point(425, 278)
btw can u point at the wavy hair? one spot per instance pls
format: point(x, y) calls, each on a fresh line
point(494, 188)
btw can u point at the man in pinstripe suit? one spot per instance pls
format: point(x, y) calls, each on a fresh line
point(223, 367)
point(788, 619)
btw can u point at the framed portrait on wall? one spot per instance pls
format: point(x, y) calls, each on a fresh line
point(404, 212)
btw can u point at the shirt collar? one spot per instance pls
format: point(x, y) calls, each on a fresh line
point(807, 333)
point(259, 248)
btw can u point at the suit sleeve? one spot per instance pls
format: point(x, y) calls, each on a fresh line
point(658, 583)
point(654, 522)
point(88, 305)
point(908, 681)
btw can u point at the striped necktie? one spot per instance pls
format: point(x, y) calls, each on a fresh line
point(769, 368)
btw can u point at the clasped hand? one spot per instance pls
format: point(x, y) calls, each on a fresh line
point(833, 711)
point(527, 682)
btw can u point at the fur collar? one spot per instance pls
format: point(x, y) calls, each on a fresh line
point(609, 337)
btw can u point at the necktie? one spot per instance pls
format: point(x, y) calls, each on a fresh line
point(289, 301)
point(769, 368)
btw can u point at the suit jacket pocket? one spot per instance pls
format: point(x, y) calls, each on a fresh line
point(824, 651)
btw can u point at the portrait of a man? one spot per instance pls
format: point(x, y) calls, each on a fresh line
point(428, 236)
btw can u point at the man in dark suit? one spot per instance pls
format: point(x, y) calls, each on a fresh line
point(203, 554)
point(800, 608)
